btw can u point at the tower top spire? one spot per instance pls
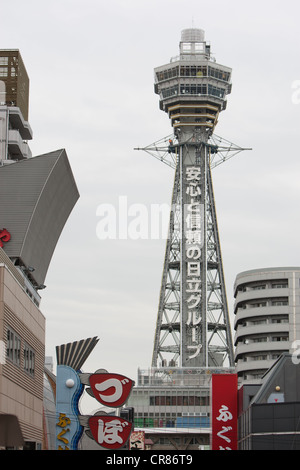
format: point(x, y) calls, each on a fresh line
point(192, 42)
point(192, 35)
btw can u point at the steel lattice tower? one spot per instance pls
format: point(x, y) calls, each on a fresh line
point(193, 328)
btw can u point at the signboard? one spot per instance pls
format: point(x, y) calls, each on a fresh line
point(137, 440)
point(68, 391)
point(224, 412)
point(4, 236)
point(110, 389)
point(111, 432)
point(193, 238)
point(63, 434)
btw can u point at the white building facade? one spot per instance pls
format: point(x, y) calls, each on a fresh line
point(267, 318)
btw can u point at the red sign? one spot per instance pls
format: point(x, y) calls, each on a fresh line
point(224, 412)
point(110, 389)
point(137, 440)
point(110, 432)
point(4, 236)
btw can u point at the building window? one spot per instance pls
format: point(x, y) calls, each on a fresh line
point(258, 322)
point(186, 47)
point(280, 285)
point(167, 92)
point(280, 338)
point(218, 74)
point(29, 360)
point(279, 302)
point(261, 357)
point(199, 71)
point(280, 320)
point(3, 72)
point(167, 74)
point(257, 304)
point(13, 348)
point(260, 339)
point(186, 400)
point(215, 91)
point(199, 47)
point(193, 89)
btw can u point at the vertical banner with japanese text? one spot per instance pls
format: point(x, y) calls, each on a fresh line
point(224, 412)
point(68, 392)
point(193, 241)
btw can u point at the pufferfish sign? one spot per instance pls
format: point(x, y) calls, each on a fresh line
point(111, 432)
point(110, 389)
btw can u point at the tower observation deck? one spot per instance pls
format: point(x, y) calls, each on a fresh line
point(193, 328)
point(193, 87)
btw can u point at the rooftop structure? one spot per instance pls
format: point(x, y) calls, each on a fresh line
point(14, 81)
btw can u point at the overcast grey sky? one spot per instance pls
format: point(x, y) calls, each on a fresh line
point(91, 65)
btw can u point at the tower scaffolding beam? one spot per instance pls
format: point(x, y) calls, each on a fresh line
point(221, 150)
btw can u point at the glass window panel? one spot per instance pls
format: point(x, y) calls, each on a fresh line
point(3, 71)
point(199, 47)
point(186, 46)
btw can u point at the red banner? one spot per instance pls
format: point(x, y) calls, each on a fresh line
point(224, 412)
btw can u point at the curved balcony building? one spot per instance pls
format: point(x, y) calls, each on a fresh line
point(267, 314)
